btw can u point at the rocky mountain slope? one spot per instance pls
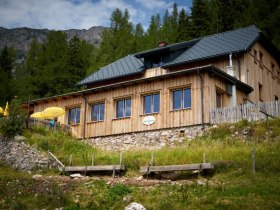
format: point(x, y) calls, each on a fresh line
point(20, 38)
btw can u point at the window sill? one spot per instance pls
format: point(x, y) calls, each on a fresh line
point(93, 122)
point(121, 118)
point(73, 125)
point(176, 110)
point(154, 113)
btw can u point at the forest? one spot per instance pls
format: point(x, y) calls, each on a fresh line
point(56, 65)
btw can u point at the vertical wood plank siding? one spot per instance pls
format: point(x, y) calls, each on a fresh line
point(167, 118)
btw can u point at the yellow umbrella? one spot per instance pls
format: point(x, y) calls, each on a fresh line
point(52, 112)
point(37, 115)
point(1, 110)
point(6, 111)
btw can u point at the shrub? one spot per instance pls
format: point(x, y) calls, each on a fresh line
point(13, 124)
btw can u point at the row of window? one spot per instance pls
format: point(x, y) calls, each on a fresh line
point(181, 99)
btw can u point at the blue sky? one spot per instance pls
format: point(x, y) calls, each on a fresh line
point(78, 14)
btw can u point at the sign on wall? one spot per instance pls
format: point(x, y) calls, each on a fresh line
point(149, 120)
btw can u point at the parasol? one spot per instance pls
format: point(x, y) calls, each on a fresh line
point(52, 112)
point(37, 115)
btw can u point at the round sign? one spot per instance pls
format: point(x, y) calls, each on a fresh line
point(149, 120)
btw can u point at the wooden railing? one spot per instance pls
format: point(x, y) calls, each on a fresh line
point(34, 122)
point(250, 112)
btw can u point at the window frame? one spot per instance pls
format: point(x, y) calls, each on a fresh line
point(152, 103)
point(99, 111)
point(124, 107)
point(260, 92)
point(255, 56)
point(75, 115)
point(219, 97)
point(261, 59)
point(182, 99)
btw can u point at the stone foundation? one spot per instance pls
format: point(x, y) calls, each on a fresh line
point(17, 154)
point(148, 139)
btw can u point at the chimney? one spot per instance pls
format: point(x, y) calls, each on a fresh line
point(162, 44)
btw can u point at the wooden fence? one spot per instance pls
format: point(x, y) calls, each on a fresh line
point(33, 122)
point(250, 112)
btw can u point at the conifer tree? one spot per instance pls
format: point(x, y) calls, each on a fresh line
point(183, 30)
point(200, 19)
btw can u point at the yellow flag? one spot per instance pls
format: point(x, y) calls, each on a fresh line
point(6, 111)
point(1, 110)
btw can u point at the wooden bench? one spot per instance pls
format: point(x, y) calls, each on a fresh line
point(95, 168)
point(168, 168)
point(90, 168)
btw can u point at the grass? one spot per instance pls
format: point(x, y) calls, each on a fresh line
point(229, 146)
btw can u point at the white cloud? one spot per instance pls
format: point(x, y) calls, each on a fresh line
point(155, 4)
point(62, 14)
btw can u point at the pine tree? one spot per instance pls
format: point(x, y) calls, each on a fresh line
point(7, 88)
point(200, 19)
point(183, 30)
point(117, 41)
point(153, 32)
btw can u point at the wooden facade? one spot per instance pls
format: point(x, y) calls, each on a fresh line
point(261, 73)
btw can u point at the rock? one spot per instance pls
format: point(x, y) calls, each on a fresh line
point(37, 176)
point(139, 178)
point(126, 199)
point(201, 183)
point(215, 126)
point(135, 206)
point(20, 138)
point(77, 176)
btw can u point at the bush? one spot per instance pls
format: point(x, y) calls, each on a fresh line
point(13, 124)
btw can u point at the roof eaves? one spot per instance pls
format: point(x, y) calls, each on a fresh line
point(216, 70)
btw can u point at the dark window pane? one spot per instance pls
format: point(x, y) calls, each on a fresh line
point(187, 98)
point(156, 103)
point(120, 108)
point(101, 112)
point(77, 115)
point(95, 112)
point(127, 107)
point(177, 99)
point(71, 116)
point(147, 104)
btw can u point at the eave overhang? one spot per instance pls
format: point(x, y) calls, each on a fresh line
point(212, 70)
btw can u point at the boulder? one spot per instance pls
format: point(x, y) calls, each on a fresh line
point(135, 206)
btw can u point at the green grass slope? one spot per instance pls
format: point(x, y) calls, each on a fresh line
point(233, 186)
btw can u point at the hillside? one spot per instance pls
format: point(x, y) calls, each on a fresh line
point(233, 186)
point(20, 38)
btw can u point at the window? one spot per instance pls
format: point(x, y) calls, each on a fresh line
point(247, 77)
point(260, 92)
point(157, 62)
point(276, 98)
point(182, 99)
point(151, 103)
point(124, 108)
point(97, 112)
point(255, 56)
point(261, 60)
point(273, 70)
point(219, 99)
point(74, 116)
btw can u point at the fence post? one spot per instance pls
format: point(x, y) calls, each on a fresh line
point(254, 159)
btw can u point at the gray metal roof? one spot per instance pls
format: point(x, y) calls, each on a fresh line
point(123, 67)
point(216, 45)
point(238, 40)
